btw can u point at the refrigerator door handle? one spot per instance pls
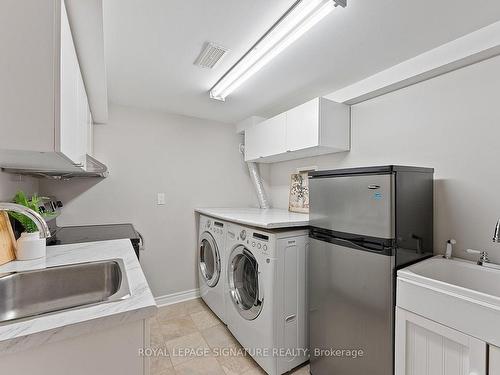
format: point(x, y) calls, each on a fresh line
point(342, 241)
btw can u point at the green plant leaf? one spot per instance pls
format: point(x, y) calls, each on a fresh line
point(33, 203)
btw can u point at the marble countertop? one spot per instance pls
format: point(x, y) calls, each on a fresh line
point(268, 219)
point(22, 334)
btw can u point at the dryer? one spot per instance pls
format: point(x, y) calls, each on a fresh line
point(211, 264)
point(266, 301)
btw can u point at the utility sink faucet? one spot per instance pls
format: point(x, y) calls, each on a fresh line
point(483, 255)
point(496, 234)
point(39, 221)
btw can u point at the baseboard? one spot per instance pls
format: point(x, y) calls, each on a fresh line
point(170, 299)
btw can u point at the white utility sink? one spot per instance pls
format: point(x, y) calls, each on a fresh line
point(453, 292)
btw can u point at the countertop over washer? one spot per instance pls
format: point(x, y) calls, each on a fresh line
point(267, 219)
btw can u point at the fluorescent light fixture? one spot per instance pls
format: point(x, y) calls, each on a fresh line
point(303, 15)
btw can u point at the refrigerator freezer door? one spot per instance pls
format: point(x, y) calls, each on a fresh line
point(362, 204)
point(350, 308)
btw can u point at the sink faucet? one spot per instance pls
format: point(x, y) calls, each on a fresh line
point(39, 221)
point(483, 259)
point(496, 234)
point(483, 255)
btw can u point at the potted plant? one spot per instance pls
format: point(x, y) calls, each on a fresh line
point(29, 245)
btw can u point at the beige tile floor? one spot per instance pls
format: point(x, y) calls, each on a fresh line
point(192, 326)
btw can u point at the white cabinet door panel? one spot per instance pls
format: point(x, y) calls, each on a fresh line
point(494, 364)
point(81, 128)
point(74, 105)
point(424, 347)
point(274, 139)
point(68, 140)
point(107, 350)
point(90, 134)
point(302, 126)
point(266, 139)
point(252, 143)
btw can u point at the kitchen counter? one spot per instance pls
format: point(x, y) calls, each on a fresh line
point(36, 331)
point(267, 219)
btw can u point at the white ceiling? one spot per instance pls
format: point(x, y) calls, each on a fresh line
point(151, 45)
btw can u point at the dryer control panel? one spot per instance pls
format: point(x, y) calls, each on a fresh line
point(215, 226)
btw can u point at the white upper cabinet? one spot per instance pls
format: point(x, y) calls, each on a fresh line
point(317, 127)
point(47, 109)
point(266, 138)
point(302, 130)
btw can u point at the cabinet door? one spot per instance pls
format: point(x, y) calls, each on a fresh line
point(266, 139)
point(90, 134)
point(494, 357)
point(69, 91)
point(424, 347)
point(302, 126)
point(81, 130)
point(72, 128)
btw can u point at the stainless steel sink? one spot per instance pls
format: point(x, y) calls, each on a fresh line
point(35, 292)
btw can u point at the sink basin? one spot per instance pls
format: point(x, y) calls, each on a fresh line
point(460, 276)
point(35, 292)
point(457, 293)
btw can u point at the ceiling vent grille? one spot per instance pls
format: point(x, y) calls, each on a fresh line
point(210, 55)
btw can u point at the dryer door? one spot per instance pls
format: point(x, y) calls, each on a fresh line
point(245, 285)
point(209, 259)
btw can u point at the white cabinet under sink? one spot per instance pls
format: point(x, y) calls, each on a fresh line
point(447, 318)
point(46, 120)
point(109, 350)
point(494, 360)
point(317, 127)
point(424, 347)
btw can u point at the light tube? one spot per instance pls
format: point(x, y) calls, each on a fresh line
point(298, 20)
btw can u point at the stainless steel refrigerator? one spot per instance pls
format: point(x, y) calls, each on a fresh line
point(365, 223)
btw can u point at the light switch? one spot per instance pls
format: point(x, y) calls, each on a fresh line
point(160, 199)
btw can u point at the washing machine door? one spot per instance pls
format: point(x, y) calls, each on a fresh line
point(209, 259)
point(245, 284)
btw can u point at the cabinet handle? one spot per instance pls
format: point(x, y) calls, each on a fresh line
point(290, 318)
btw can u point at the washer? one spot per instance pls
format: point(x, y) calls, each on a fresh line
point(266, 300)
point(211, 264)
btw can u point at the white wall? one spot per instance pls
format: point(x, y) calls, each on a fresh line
point(195, 162)
point(451, 123)
point(10, 184)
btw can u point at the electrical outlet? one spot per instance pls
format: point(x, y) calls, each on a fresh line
point(160, 199)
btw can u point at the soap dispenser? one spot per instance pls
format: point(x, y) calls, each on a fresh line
point(449, 248)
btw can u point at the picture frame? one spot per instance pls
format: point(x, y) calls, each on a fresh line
point(299, 192)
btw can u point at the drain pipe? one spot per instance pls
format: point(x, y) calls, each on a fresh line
point(253, 169)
